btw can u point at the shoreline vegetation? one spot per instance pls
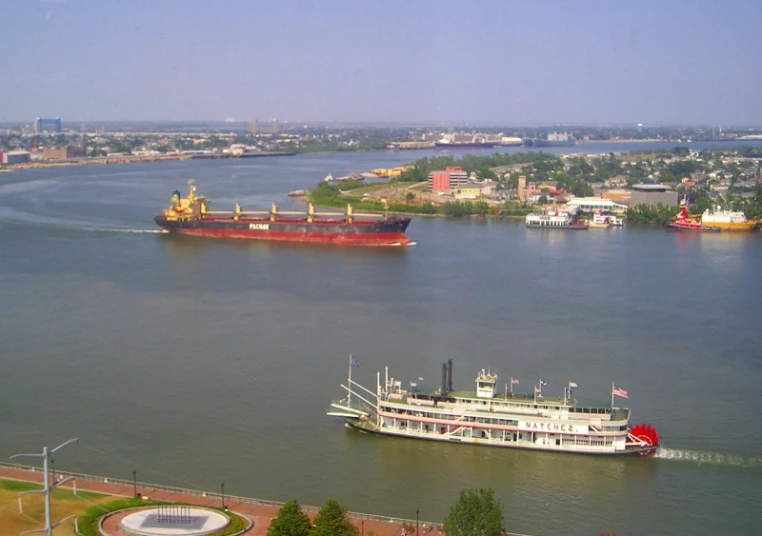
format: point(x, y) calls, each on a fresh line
point(702, 180)
point(126, 159)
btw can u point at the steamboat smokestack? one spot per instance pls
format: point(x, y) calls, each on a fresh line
point(449, 375)
point(443, 390)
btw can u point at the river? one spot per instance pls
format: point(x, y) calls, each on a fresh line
point(196, 361)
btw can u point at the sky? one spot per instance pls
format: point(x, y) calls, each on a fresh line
point(415, 61)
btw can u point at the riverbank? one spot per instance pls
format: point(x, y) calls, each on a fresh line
point(137, 159)
point(260, 512)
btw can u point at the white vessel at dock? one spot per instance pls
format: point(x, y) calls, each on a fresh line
point(488, 417)
point(555, 219)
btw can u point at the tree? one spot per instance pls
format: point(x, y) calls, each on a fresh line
point(332, 520)
point(291, 521)
point(477, 513)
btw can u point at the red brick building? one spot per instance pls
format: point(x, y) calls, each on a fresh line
point(448, 180)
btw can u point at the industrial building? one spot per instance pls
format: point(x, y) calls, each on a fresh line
point(653, 194)
point(15, 157)
point(63, 153)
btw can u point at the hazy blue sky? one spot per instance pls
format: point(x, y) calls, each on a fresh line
point(393, 60)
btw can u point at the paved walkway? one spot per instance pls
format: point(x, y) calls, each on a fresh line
point(260, 514)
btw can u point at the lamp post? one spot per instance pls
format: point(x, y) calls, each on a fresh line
point(416, 520)
point(362, 527)
point(223, 494)
point(134, 483)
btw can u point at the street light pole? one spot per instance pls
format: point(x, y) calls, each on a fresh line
point(416, 520)
point(223, 494)
point(134, 483)
point(47, 456)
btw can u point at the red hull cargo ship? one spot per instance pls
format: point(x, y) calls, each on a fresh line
point(191, 216)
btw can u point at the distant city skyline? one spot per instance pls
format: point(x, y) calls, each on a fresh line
point(423, 62)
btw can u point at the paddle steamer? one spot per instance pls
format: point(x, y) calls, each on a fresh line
point(489, 417)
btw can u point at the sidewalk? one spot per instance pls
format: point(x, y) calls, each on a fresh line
point(260, 512)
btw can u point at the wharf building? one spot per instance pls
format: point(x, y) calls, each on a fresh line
point(589, 205)
point(653, 194)
point(15, 157)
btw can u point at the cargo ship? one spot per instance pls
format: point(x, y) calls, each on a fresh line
point(554, 139)
point(493, 418)
point(446, 144)
point(726, 220)
point(191, 216)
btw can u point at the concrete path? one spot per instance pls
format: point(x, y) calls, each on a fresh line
point(260, 512)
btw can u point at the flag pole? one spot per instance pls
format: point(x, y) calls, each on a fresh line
point(349, 383)
point(511, 384)
point(612, 396)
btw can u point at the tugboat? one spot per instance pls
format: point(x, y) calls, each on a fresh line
point(685, 223)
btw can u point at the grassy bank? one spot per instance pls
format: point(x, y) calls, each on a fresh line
point(63, 504)
point(338, 196)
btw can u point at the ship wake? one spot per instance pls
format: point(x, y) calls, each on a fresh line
point(706, 457)
point(116, 230)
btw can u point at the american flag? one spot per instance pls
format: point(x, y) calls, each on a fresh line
point(413, 384)
point(572, 384)
point(514, 382)
point(420, 378)
point(621, 393)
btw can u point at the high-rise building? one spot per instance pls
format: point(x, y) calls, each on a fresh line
point(40, 124)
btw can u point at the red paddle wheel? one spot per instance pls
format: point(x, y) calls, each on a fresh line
point(648, 435)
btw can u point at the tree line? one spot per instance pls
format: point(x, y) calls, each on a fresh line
point(476, 513)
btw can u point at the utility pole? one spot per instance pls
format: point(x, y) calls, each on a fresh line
point(46, 456)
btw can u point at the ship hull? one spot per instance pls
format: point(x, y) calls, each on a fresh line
point(361, 426)
point(388, 232)
point(678, 228)
point(570, 227)
point(731, 226)
point(487, 145)
point(537, 142)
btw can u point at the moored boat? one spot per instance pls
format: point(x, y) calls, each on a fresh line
point(683, 222)
point(487, 417)
point(726, 220)
point(191, 216)
point(599, 221)
point(554, 219)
